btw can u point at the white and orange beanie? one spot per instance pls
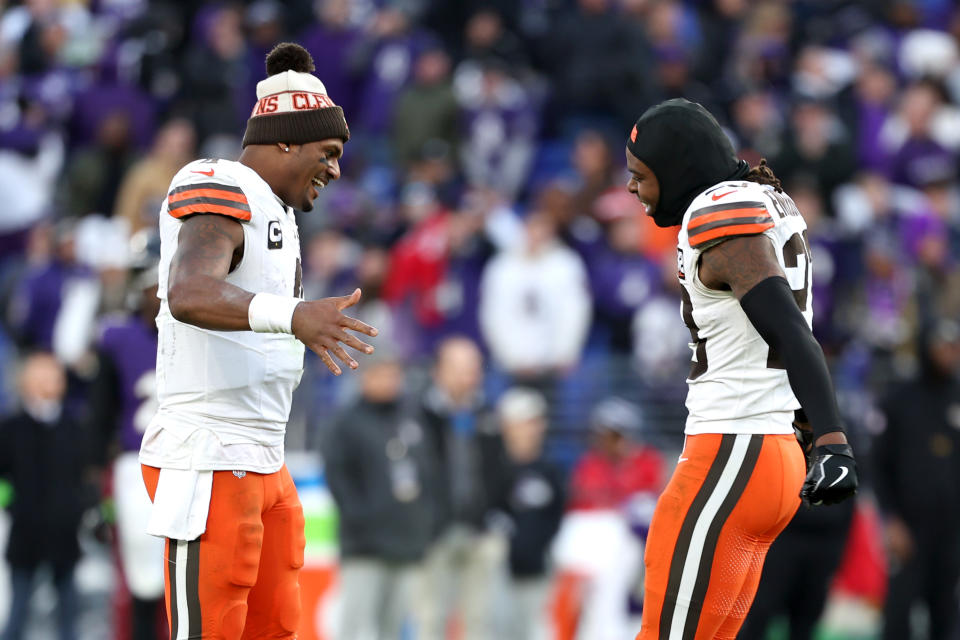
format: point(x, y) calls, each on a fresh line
point(292, 104)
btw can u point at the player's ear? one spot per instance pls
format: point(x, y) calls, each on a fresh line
point(284, 147)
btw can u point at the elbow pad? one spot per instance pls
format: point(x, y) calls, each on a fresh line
point(772, 309)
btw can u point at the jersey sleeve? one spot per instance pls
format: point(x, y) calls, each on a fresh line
point(713, 224)
point(207, 194)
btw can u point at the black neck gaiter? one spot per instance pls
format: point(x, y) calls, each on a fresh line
point(688, 152)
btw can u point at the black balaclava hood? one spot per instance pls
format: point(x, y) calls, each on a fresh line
point(688, 152)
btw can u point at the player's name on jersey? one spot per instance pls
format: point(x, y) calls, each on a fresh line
point(782, 205)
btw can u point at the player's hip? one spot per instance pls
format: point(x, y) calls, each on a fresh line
point(750, 479)
point(752, 401)
point(728, 499)
point(241, 490)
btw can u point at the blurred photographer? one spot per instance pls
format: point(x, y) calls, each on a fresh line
point(918, 485)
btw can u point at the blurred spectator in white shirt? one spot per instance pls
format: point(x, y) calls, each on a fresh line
point(535, 304)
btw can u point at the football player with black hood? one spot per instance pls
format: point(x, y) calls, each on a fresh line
point(757, 371)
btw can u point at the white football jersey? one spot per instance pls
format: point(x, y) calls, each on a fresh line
point(736, 384)
point(224, 396)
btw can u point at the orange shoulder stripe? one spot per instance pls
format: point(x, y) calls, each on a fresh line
point(222, 194)
point(232, 212)
point(730, 230)
point(728, 214)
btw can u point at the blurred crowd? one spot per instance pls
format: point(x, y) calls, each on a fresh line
point(519, 290)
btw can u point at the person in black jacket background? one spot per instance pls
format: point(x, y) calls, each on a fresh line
point(466, 561)
point(917, 480)
point(44, 454)
point(380, 469)
point(531, 501)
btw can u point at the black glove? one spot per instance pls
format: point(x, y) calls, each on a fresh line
point(832, 476)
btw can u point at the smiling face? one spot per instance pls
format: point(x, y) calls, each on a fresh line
point(311, 167)
point(643, 183)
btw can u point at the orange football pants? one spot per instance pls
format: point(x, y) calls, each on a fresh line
point(240, 579)
point(730, 496)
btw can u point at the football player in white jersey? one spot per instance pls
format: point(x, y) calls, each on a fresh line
point(232, 329)
point(744, 266)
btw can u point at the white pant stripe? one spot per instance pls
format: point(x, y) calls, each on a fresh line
point(183, 615)
point(691, 563)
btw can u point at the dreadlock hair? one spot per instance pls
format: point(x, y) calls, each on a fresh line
point(763, 174)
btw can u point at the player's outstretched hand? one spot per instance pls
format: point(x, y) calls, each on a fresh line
point(322, 326)
point(832, 476)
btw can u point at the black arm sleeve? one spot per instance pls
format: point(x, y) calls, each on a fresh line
point(772, 309)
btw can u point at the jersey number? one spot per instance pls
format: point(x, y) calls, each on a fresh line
point(796, 263)
point(796, 266)
point(698, 366)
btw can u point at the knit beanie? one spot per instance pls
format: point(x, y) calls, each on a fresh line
point(687, 150)
point(292, 104)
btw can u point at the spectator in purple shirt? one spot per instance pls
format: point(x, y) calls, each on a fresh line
point(621, 279)
point(874, 93)
point(827, 274)
point(123, 400)
point(385, 58)
point(331, 41)
point(53, 285)
point(916, 136)
point(921, 161)
point(883, 316)
point(500, 128)
point(263, 20)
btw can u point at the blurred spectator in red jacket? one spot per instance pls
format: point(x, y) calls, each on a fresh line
point(599, 550)
point(616, 467)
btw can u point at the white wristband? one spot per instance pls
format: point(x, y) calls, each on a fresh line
point(270, 313)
